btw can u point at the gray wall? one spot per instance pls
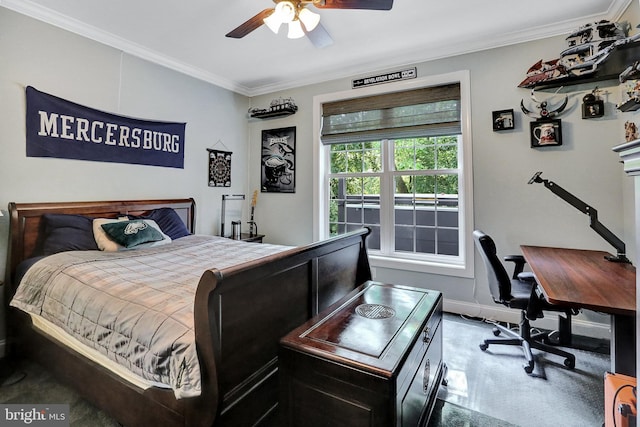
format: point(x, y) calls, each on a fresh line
point(78, 69)
point(513, 212)
point(91, 74)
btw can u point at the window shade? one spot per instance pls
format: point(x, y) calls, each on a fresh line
point(431, 111)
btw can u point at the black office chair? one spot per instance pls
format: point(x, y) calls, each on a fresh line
point(519, 292)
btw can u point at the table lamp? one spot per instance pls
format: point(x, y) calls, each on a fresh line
point(223, 210)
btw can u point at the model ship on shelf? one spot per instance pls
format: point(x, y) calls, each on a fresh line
point(278, 107)
point(595, 51)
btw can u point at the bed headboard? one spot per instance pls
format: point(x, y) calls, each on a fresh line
point(25, 221)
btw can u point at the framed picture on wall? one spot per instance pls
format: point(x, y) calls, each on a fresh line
point(593, 109)
point(278, 160)
point(546, 133)
point(503, 120)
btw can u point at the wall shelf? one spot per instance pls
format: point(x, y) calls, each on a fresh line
point(267, 114)
point(622, 57)
point(630, 105)
point(280, 107)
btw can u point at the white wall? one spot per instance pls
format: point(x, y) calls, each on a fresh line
point(506, 207)
point(80, 70)
point(91, 74)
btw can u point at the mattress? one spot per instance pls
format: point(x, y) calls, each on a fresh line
point(134, 308)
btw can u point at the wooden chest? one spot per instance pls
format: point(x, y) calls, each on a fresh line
point(372, 359)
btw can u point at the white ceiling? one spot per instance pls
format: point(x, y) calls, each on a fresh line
point(189, 35)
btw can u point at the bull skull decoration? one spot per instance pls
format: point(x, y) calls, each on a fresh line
point(545, 112)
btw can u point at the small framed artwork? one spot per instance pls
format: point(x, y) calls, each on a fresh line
point(503, 120)
point(278, 165)
point(593, 109)
point(219, 168)
point(546, 133)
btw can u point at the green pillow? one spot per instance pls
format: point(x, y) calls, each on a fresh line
point(131, 233)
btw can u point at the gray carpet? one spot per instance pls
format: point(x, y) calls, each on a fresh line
point(39, 387)
point(485, 389)
point(494, 383)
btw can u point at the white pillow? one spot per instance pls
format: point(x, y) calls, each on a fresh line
point(105, 243)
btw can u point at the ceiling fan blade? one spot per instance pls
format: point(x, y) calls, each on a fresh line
point(250, 25)
point(354, 4)
point(319, 36)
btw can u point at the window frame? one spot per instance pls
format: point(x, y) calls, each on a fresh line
point(463, 264)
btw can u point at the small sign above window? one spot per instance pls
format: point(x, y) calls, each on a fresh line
point(410, 73)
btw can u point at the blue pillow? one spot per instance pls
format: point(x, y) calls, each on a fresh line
point(131, 233)
point(67, 233)
point(168, 221)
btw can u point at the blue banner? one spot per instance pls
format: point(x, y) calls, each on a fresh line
point(63, 129)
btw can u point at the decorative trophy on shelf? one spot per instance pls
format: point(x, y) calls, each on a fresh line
point(253, 228)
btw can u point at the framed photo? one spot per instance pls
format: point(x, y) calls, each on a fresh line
point(278, 160)
point(546, 133)
point(219, 168)
point(591, 110)
point(503, 120)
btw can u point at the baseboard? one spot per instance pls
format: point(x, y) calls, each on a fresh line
point(550, 321)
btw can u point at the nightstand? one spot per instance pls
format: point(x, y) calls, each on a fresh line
point(256, 238)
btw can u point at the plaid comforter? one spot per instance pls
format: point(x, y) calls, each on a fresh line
point(135, 307)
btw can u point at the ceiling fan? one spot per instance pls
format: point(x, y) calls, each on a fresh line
point(301, 20)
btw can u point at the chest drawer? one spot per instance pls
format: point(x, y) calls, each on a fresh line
point(373, 359)
point(423, 383)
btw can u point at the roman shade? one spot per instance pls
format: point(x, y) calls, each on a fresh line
point(428, 111)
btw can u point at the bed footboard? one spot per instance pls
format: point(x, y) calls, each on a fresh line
point(242, 312)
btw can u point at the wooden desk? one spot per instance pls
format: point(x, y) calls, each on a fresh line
point(584, 279)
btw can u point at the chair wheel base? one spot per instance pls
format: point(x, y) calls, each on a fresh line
point(570, 362)
point(484, 346)
point(496, 332)
point(528, 368)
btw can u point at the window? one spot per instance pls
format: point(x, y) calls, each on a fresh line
point(397, 160)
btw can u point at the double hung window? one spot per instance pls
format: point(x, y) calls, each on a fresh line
point(397, 162)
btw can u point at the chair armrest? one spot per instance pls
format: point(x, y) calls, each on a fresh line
point(527, 276)
point(519, 262)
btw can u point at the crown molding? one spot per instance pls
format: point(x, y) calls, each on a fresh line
point(465, 47)
point(75, 26)
point(59, 20)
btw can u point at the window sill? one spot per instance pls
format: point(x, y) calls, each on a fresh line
point(421, 266)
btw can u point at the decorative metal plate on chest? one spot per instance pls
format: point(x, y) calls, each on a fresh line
point(375, 311)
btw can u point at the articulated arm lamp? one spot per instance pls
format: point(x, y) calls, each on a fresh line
point(599, 228)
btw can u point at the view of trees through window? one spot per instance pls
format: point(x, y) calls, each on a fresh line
point(424, 173)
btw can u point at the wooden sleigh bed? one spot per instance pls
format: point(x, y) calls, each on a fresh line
point(240, 314)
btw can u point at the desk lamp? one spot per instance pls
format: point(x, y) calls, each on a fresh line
point(223, 210)
point(599, 228)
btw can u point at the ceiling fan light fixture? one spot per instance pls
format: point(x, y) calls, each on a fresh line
point(273, 21)
point(284, 12)
point(309, 19)
point(295, 30)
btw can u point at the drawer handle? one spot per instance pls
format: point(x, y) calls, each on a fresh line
point(426, 333)
point(425, 377)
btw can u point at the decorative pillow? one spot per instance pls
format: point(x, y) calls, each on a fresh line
point(107, 242)
point(67, 233)
point(131, 233)
point(169, 222)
